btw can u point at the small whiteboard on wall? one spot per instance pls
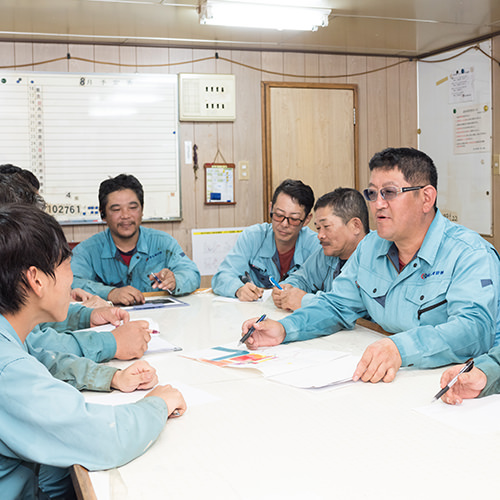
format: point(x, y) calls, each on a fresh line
point(455, 120)
point(210, 247)
point(75, 130)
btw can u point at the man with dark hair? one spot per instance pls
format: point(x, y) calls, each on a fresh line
point(27, 175)
point(274, 250)
point(341, 219)
point(45, 424)
point(432, 283)
point(126, 341)
point(128, 259)
point(15, 189)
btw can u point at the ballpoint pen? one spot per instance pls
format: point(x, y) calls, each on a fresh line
point(275, 283)
point(158, 280)
point(251, 330)
point(466, 368)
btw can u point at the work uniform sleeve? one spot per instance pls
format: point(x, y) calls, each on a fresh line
point(77, 319)
point(489, 363)
point(226, 280)
point(328, 312)
point(471, 302)
point(96, 346)
point(49, 422)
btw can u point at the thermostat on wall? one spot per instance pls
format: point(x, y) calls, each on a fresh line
point(206, 97)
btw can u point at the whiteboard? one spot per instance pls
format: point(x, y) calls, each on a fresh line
point(75, 130)
point(455, 119)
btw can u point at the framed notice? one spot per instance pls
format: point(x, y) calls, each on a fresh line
point(219, 184)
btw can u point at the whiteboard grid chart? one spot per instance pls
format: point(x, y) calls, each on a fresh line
point(73, 131)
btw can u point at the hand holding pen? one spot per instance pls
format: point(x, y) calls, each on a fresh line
point(249, 292)
point(251, 330)
point(163, 280)
point(461, 382)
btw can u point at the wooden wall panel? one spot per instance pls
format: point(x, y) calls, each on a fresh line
point(379, 94)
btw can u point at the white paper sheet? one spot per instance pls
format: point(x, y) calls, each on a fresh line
point(477, 416)
point(288, 364)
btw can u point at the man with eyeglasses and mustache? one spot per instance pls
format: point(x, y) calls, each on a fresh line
point(432, 283)
point(275, 250)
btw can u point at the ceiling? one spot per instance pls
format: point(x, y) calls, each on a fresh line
point(408, 28)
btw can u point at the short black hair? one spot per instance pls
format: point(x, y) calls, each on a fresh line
point(27, 175)
point(14, 189)
point(28, 237)
point(119, 183)
point(346, 203)
point(417, 168)
point(298, 191)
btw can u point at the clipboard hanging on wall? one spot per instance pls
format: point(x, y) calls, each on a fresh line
point(219, 184)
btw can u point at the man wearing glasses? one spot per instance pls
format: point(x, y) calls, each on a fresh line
point(341, 219)
point(432, 283)
point(275, 250)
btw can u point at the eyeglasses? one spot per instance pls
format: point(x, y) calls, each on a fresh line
point(293, 221)
point(388, 193)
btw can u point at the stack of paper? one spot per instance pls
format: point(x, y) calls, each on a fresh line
point(291, 365)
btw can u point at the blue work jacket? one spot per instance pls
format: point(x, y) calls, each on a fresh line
point(98, 267)
point(255, 252)
point(315, 275)
point(44, 419)
point(442, 306)
point(61, 337)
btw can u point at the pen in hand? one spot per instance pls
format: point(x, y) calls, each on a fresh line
point(251, 330)
point(158, 280)
point(466, 368)
point(275, 283)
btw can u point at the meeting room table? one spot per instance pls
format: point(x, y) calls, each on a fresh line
point(246, 437)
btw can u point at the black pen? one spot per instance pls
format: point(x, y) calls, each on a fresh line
point(246, 278)
point(466, 368)
point(251, 330)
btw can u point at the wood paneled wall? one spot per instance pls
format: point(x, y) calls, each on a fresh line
point(387, 114)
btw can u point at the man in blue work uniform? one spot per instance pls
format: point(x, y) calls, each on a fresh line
point(341, 219)
point(45, 424)
point(432, 283)
point(274, 250)
point(128, 259)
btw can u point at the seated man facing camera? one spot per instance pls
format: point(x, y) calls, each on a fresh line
point(128, 259)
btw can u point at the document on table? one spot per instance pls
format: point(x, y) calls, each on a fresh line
point(265, 296)
point(291, 365)
point(477, 416)
point(192, 395)
point(156, 344)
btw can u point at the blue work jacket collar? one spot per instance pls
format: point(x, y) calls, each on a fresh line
point(8, 332)
point(430, 245)
point(110, 251)
point(269, 249)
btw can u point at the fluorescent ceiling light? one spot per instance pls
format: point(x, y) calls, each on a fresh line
point(252, 15)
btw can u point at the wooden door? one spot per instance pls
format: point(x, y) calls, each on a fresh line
point(309, 133)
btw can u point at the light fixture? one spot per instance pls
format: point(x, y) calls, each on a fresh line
point(265, 16)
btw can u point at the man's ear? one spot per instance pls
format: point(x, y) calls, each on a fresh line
point(355, 225)
point(270, 206)
point(36, 280)
point(308, 219)
point(430, 195)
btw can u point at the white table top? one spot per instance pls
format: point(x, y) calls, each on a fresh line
point(264, 440)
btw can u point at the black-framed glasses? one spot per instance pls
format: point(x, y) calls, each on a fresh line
point(388, 193)
point(293, 221)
